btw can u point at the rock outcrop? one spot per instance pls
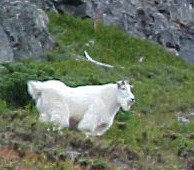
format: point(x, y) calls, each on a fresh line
point(23, 31)
point(23, 24)
point(167, 22)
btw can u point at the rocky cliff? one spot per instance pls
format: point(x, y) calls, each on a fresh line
point(23, 31)
point(167, 22)
point(23, 24)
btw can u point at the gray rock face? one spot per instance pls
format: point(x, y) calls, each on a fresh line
point(23, 31)
point(167, 22)
point(6, 52)
point(23, 24)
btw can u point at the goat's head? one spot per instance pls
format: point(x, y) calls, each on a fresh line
point(125, 97)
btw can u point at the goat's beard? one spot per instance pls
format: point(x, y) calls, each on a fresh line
point(125, 105)
point(126, 108)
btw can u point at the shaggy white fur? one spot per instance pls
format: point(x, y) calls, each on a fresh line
point(94, 106)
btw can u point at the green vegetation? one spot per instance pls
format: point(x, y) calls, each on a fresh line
point(147, 137)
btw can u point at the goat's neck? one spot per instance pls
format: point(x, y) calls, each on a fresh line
point(114, 106)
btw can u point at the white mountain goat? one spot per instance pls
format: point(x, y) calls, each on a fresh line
point(93, 106)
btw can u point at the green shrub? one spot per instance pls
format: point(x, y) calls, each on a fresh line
point(13, 81)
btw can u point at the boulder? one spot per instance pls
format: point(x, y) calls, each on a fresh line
point(23, 28)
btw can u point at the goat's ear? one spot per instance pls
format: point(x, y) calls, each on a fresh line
point(119, 84)
point(123, 82)
point(127, 81)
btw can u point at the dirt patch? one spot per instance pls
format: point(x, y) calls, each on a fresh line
point(9, 155)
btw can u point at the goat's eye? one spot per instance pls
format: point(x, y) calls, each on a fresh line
point(123, 88)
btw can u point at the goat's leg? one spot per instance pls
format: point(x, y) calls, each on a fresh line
point(60, 116)
point(44, 117)
point(96, 116)
point(88, 123)
point(103, 127)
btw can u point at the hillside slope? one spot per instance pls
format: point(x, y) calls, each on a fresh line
point(147, 137)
